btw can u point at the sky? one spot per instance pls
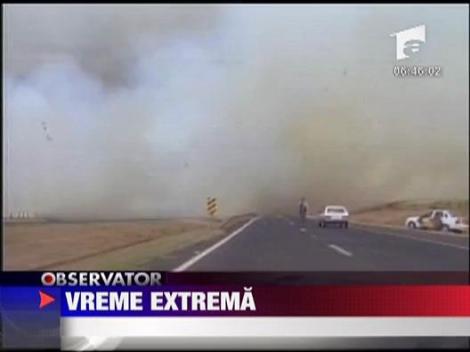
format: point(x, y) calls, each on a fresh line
point(147, 110)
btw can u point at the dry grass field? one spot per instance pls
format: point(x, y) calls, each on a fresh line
point(102, 245)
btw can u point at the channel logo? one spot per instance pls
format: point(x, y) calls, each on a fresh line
point(409, 41)
point(98, 278)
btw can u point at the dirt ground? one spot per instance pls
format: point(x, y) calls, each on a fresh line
point(119, 245)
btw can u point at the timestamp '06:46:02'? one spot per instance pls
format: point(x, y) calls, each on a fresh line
point(417, 71)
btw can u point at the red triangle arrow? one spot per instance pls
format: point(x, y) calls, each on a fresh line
point(45, 299)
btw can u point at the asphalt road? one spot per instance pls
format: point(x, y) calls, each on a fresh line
point(282, 243)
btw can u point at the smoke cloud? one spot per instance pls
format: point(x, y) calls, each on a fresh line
point(146, 110)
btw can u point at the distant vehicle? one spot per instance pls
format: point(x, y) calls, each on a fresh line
point(438, 220)
point(334, 214)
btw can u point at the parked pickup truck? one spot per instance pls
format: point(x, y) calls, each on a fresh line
point(438, 220)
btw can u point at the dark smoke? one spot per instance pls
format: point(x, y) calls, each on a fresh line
point(150, 109)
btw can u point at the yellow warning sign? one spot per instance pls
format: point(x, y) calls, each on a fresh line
point(211, 206)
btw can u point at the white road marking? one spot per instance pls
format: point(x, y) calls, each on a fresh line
point(340, 250)
point(201, 255)
point(303, 229)
point(417, 239)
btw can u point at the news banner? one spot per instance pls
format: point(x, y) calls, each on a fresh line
point(48, 308)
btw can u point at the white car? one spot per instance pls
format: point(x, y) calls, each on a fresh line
point(334, 214)
point(439, 220)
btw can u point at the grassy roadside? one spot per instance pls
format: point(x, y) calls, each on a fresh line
point(106, 245)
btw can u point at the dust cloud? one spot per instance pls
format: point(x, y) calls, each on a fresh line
point(145, 110)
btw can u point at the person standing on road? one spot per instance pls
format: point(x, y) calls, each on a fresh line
point(303, 209)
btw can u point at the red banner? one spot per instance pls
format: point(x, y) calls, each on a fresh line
point(452, 301)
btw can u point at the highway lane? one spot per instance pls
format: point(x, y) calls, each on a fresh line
point(282, 243)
